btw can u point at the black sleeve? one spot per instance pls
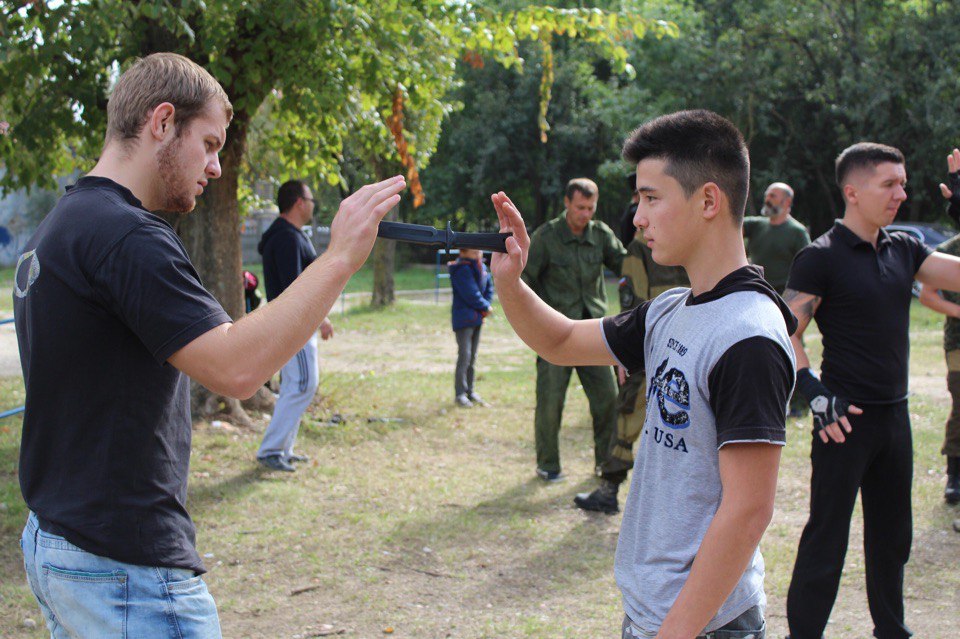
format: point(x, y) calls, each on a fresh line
point(749, 388)
point(918, 251)
point(624, 335)
point(808, 273)
point(149, 282)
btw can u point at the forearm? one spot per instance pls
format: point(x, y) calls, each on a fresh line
point(539, 326)
point(240, 357)
point(724, 554)
point(930, 297)
point(803, 361)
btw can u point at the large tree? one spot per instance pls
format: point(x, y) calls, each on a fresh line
point(324, 70)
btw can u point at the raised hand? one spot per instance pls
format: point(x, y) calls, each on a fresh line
point(508, 266)
point(354, 228)
point(951, 190)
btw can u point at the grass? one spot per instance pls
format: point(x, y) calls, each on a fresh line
point(412, 277)
point(418, 520)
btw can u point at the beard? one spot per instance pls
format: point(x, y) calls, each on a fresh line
point(176, 187)
point(769, 210)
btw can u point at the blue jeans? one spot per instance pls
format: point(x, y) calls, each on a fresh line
point(84, 595)
point(749, 625)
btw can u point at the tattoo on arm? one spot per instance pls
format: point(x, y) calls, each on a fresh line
point(803, 305)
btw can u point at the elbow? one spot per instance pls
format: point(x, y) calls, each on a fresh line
point(240, 385)
point(754, 519)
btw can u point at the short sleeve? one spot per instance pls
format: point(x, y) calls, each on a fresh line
point(919, 251)
point(808, 273)
point(749, 389)
point(149, 282)
point(624, 335)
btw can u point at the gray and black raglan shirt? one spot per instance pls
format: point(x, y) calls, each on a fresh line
point(720, 370)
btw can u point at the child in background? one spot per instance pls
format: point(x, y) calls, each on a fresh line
point(472, 293)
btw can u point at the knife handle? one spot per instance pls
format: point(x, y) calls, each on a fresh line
point(496, 242)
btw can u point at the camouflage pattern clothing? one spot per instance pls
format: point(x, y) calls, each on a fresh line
point(566, 271)
point(642, 279)
point(951, 345)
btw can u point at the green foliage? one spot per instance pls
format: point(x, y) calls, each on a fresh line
point(303, 75)
point(801, 80)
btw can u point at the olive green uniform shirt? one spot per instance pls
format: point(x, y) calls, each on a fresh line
point(774, 246)
point(951, 326)
point(566, 270)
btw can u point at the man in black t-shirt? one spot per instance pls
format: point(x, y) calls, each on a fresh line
point(855, 280)
point(106, 285)
point(287, 252)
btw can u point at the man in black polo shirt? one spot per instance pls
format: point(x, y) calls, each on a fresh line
point(855, 280)
point(106, 287)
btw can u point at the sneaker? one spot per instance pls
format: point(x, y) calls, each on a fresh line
point(550, 475)
point(463, 401)
point(276, 462)
point(602, 500)
point(298, 459)
point(476, 399)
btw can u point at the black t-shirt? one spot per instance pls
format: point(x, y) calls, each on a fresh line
point(864, 313)
point(286, 252)
point(104, 294)
point(749, 384)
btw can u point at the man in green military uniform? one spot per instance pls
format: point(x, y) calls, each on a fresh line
point(641, 279)
point(565, 268)
point(948, 303)
point(774, 238)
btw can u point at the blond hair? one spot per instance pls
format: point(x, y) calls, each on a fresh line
point(159, 78)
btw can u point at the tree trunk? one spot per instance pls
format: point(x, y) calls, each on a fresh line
point(384, 252)
point(211, 235)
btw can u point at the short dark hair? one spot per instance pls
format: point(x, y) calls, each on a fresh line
point(290, 191)
point(698, 146)
point(586, 186)
point(865, 155)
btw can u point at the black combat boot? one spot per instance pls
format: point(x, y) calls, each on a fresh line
point(603, 499)
point(952, 493)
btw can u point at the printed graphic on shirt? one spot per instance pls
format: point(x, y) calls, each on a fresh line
point(28, 270)
point(672, 391)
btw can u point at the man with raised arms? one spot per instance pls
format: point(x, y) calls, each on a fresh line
point(719, 369)
point(106, 286)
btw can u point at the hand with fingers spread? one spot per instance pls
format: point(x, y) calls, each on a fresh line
point(354, 228)
point(508, 267)
point(951, 190)
point(829, 411)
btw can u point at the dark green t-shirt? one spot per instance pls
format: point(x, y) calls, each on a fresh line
point(774, 246)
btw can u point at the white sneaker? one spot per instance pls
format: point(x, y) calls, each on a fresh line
point(463, 401)
point(476, 399)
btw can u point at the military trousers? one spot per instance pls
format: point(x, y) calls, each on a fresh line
point(951, 439)
point(600, 387)
point(631, 413)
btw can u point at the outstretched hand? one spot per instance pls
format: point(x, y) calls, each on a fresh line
point(354, 228)
point(953, 176)
point(951, 190)
point(507, 267)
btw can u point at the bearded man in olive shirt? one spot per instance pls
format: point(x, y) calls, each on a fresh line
point(565, 268)
point(776, 237)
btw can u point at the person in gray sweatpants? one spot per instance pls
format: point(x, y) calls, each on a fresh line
point(286, 252)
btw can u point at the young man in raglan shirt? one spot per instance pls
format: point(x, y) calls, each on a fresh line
point(719, 373)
